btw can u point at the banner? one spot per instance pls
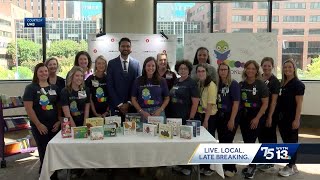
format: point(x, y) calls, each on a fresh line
point(142, 46)
point(233, 48)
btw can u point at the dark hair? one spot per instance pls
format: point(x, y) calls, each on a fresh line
point(185, 62)
point(35, 77)
point(125, 39)
point(208, 79)
point(265, 59)
point(195, 60)
point(155, 77)
point(76, 59)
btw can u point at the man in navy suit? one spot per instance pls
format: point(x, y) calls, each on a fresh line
point(121, 73)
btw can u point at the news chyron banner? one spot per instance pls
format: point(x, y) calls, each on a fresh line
point(234, 49)
point(255, 153)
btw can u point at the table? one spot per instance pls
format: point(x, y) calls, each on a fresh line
point(121, 152)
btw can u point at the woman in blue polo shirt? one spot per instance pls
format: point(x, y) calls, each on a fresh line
point(228, 105)
point(150, 94)
point(253, 105)
point(289, 107)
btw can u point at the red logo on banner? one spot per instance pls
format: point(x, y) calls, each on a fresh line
point(147, 40)
point(164, 51)
point(112, 40)
point(95, 51)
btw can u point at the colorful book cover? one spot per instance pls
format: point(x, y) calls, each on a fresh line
point(97, 133)
point(175, 122)
point(186, 132)
point(196, 126)
point(66, 128)
point(114, 120)
point(135, 117)
point(94, 121)
point(129, 128)
point(80, 132)
point(165, 131)
point(150, 129)
point(110, 130)
point(156, 120)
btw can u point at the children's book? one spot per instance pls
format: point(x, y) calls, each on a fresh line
point(135, 117)
point(110, 130)
point(186, 132)
point(97, 133)
point(80, 132)
point(129, 128)
point(94, 121)
point(165, 131)
point(196, 126)
point(150, 129)
point(114, 120)
point(66, 127)
point(156, 120)
point(175, 122)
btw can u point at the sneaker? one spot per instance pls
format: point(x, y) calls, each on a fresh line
point(286, 171)
point(244, 170)
point(208, 172)
point(295, 169)
point(228, 173)
point(177, 168)
point(250, 172)
point(186, 172)
point(267, 168)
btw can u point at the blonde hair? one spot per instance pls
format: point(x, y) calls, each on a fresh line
point(71, 75)
point(229, 79)
point(244, 75)
point(284, 77)
point(101, 57)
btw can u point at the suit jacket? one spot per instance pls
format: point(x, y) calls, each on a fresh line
point(119, 83)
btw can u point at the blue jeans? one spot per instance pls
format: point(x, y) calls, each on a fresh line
point(151, 110)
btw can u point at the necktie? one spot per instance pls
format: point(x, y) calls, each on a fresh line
point(125, 66)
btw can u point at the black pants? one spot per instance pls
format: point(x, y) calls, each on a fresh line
point(269, 134)
point(212, 122)
point(288, 134)
point(250, 135)
point(42, 141)
point(225, 135)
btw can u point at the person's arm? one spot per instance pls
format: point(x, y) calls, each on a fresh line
point(93, 108)
point(234, 112)
point(163, 106)
point(86, 113)
point(111, 89)
point(195, 103)
point(28, 105)
point(272, 107)
point(138, 107)
point(207, 115)
point(263, 108)
point(296, 122)
point(66, 112)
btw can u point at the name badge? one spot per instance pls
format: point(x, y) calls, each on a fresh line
point(52, 92)
point(219, 98)
point(280, 91)
point(43, 91)
point(254, 91)
point(95, 83)
point(175, 87)
point(168, 76)
point(82, 94)
point(266, 82)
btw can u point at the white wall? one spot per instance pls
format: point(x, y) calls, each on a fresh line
point(311, 102)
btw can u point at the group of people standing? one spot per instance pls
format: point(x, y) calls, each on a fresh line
point(258, 103)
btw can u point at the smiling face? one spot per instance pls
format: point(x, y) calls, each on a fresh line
point(223, 71)
point(183, 71)
point(202, 56)
point(42, 73)
point(251, 71)
point(150, 68)
point(288, 69)
point(267, 67)
point(100, 65)
point(125, 48)
point(201, 73)
point(77, 78)
point(52, 66)
point(83, 61)
point(162, 61)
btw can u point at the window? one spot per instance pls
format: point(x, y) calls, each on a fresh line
point(264, 5)
point(242, 5)
point(314, 31)
point(293, 32)
point(315, 5)
point(265, 18)
point(314, 47)
point(242, 30)
point(242, 18)
point(264, 30)
point(294, 5)
point(314, 18)
point(293, 19)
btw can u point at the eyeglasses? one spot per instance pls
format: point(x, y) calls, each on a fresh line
point(183, 69)
point(201, 71)
point(223, 69)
